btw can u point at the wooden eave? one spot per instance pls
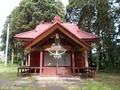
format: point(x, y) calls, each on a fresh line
point(24, 39)
point(53, 34)
point(90, 40)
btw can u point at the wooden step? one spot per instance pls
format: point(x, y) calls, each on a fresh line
point(49, 71)
point(62, 71)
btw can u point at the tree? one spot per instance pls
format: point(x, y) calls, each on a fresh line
point(98, 17)
point(27, 16)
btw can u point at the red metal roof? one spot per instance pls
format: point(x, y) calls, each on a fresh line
point(82, 35)
point(34, 33)
point(70, 28)
point(45, 26)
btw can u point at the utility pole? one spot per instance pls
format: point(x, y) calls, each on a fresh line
point(6, 51)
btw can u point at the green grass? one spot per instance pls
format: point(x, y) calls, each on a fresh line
point(10, 73)
point(103, 81)
point(111, 80)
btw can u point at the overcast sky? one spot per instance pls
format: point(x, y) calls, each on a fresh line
point(6, 6)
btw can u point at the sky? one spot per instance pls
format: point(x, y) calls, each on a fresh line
point(6, 6)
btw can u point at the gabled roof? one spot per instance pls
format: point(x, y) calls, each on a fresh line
point(45, 26)
point(44, 29)
point(51, 29)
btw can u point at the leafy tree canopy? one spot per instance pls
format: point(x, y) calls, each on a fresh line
point(27, 15)
point(99, 17)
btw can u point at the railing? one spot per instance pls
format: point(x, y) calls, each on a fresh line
point(88, 71)
point(26, 69)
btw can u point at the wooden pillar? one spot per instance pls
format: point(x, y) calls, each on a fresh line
point(86, 59)
point(73, 63)
point(22, 63)
point(26, 62)
point(28, 59)
point(41, 59)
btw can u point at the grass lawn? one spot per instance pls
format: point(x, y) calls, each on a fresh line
point(11, 71)
point(103, 81)
point(110, 80)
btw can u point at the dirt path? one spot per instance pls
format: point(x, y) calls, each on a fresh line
point(5, 81)
point(50, 85)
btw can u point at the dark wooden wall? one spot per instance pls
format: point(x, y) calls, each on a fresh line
point(79, 59)
point(35, 59)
